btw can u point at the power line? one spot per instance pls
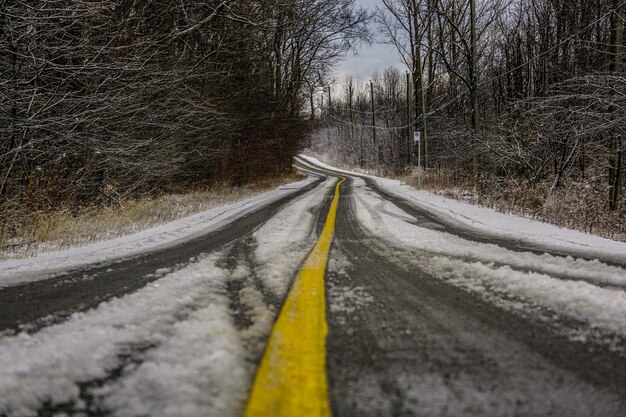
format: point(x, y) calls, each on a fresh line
point(524, 64)
point(364, 126)
point(554, 47)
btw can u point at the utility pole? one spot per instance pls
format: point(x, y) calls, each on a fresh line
point(408, 118)
point(472, 69)
point(615, 160)
point(419, 89)
point(330, 103)
point(350, 98)
point(473, 82)
point(350, 93)
point(351, 115)
point(312, 103)
point(373, 112)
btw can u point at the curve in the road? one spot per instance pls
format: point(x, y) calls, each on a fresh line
point(424, 338)
point(432, 220)
point(31, 306)
point(424, 347)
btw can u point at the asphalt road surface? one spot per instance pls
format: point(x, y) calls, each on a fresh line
point(384, 335)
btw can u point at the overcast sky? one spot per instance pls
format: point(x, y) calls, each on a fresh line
point(370, 58)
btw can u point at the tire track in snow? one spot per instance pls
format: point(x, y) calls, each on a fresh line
point(422, 346)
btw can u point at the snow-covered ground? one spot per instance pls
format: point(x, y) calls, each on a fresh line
point(173, 347)
point(178, 346)
point(495, 223)
point(385, 219)
point(288, 233)
point(185, 317)
point(521, 281)
point(41, 266)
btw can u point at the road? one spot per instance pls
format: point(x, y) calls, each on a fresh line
point(315, 305)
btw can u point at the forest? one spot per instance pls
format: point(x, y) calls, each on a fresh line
point(102, 100)
point(522, 102)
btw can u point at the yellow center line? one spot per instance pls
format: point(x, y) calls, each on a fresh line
point(291, 380)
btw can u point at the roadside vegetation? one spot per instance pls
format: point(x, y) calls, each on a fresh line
point(579, 205)
point(107, 102)
point(575, 205)
point(518, 104)
point(49, 231)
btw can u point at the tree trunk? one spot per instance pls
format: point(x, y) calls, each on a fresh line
point(418, 89)
point(615, 160)
point(472, 68)
point(473, 90)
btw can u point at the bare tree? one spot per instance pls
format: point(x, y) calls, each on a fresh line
point(101, 100)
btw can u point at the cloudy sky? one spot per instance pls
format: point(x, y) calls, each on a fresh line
point(370, 58)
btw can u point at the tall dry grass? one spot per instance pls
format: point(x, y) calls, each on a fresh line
point(42, 232)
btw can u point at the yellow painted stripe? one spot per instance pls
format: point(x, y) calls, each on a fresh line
point(291, 380)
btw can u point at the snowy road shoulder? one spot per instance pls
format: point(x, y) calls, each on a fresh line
point(573, 289)
point(384, 219)
point(167, 235)
point(187, 343)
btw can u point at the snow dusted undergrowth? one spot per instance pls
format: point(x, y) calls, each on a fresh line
point(173, 347)
point(39, 267)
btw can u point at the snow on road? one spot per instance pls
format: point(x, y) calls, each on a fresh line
point(588, 294)
point(185, 309)
point(289, 233)
point(524, 282)
point(496, 223)
point(171, 348)
point(175, 346)
point(42, 266)
point(385, 219)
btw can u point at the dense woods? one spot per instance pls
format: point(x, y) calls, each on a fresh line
point(105, 99)
point(523, 100)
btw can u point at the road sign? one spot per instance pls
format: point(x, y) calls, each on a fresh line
point(416, 141)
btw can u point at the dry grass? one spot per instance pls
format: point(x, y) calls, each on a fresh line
point(576, 204)
point(434, 180)
point(44, 232)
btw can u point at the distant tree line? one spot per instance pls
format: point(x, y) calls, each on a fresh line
point(369, 123)
point(105, 99)
point(500, 91)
